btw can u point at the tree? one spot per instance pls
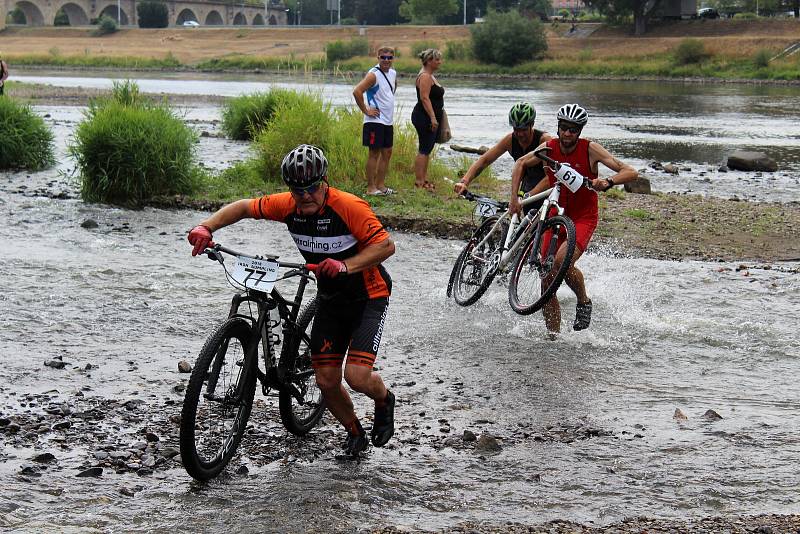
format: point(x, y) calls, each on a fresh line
point(427, 11)
point(508, 38)
point(372, 12)
point(621, 9)
point(152, 14)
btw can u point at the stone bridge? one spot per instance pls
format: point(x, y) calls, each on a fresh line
point(206, 13)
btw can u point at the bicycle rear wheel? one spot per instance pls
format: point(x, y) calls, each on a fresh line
point(300, 416)
point(534, 277)
point(476, 266)
point(214, 417)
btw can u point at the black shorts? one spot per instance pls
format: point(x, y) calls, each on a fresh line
point(377, 135)
point(355, 328)
point(427, 137)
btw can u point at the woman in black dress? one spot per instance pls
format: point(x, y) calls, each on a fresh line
point(427, 113)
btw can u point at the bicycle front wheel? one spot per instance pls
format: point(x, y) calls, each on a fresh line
point(216, 409)
point(300, 401)
point(535, 276)
point(476, 266)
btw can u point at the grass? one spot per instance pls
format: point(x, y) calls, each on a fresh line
point(637, 214)
point(245, 116)
point(129, 150)
point(27, 142)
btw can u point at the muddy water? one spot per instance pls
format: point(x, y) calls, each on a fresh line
point(585, 423)
point(695, 126)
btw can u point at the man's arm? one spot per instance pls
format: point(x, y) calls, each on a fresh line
point(369, 256)
point(528, 160)
point(482, 162)
point(624, 172)
point(227, 215)
point(358, 93)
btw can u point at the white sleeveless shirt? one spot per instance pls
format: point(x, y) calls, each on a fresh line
point(381, 96)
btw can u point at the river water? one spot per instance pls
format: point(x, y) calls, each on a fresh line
point(586, 422)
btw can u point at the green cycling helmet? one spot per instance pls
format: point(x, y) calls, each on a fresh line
point(521, 115)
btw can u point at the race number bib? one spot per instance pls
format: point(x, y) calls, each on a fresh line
point(486, 207)
point(255, 274)
point(569, 177)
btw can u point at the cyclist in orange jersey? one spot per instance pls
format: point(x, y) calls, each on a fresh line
point(339, 232)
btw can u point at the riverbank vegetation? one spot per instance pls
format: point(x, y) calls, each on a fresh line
point(129, 149)
point(304, 117)
point(27, 142)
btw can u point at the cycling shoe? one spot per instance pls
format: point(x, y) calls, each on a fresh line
point(583, 316)
point(383, 426)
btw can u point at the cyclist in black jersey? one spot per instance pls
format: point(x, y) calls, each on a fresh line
point(523, 139)
point(339, 232)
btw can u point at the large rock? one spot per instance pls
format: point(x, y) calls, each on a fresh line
point(641, 186)
point(743, 160)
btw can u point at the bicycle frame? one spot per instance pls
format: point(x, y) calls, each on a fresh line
point(520, 229)
point(274, 375)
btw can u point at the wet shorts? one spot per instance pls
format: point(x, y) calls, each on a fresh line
point(584, 229)
point(355, 329)
point(377, 135)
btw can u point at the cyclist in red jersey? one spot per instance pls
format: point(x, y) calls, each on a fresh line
point(339, 232)
point(583, 155)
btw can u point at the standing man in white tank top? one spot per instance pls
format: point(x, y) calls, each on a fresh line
point(379, 86)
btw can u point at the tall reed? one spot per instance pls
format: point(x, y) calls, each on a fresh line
point(25, 140)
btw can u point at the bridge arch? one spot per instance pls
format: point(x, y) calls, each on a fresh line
point(75, 14)
point(111, 11)
point(258, 20)
point(184, 15)
point(214, 18)
point(239, 19)
point(33, 15)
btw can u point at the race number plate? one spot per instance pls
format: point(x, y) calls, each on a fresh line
point(255, 274)
point(486, 208)
point(570, 177)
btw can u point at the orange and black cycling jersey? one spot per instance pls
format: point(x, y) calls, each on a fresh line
point(343, 227)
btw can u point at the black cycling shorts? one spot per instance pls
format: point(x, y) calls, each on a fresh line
point(377, 135)
point(354, 328)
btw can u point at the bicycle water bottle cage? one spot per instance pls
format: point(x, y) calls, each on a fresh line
point(568, 176)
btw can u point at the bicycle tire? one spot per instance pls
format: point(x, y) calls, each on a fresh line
point(201, 457)
point(529, 273)
point(298, 418)
point(472, 278)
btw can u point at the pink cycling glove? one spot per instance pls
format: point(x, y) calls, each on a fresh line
point(330, 268)
point(200, 237)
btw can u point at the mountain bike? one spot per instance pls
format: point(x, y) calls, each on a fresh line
point(243, 352)
point(513, 245)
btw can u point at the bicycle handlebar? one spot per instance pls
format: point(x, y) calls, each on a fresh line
point(213, 254)
point(556, 165)
point(472, 197)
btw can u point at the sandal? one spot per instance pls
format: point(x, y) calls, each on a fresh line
point(583, 316)
point(382, 192)
point(428, 186)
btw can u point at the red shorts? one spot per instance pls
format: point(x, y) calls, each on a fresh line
point(584, 229)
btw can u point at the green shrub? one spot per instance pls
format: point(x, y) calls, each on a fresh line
point(339, 50)
point(508, 39)
point(152, 14)
point(105, 26)
point(419, 46)
point(61, 18)
point(244, 116)
point(129, 149)
point(690, 51)
point(349, 21)
point(745, 16)
point(564, 14)
point(761, 58)
point(458, 50)
point(27, 142)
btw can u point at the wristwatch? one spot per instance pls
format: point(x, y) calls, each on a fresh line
point(610, 184)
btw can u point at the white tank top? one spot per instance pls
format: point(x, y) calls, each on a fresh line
point(381, 96)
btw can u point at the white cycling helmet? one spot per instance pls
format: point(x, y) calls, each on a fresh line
point(304, 166)
point(573, 113)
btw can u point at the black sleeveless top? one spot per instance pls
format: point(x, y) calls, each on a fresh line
point(533, 175)
point(437, 102)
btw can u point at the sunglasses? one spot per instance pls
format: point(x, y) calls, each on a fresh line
point(311, 189)
point(386, 58)
point(566, 127)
